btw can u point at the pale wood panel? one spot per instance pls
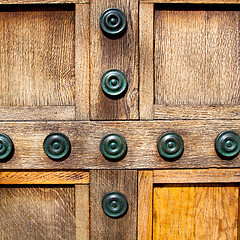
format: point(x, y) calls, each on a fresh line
point(146, 63)
point(37, 213)
point(197, 176)
point(46, 177)
point(109, 54)
point(196, 56)
point(193, 1)
point(145, 204)
point(104, 181)
point(195, 212)
point(196, 112)
point(41, 1)
point(82, 76)
point(37, 55)
point(82, 212)
point(216, 212)
point(37, 113)
point(174, 212)
point(141, 137)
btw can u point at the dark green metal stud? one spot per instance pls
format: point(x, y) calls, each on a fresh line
point(113, 22)
point(6, 147)
point(113, 147)
point(114, 204)
point(114, 83)
point(227, 144)
point(57, 146)
point(170, 146)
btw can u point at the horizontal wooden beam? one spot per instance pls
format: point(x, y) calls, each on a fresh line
point(141, 137)
point(46, 177)
point(37, 113)
point(41, 1)
point(197, 176)
point(196, 112)
point(193, 1)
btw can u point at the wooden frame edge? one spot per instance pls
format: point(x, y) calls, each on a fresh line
point(44, 177)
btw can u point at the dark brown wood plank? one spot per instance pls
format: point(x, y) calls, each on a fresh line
point(196, 55)
point(37, 213)
point(141, 136)
point(103, 227)
point(109, 54)
point(37, 55)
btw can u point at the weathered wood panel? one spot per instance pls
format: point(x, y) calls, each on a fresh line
point(109, 54)
point(141, 137)
point(196, 55)
point(37, 213)
point(197, 176)
point(103, 227)
point(195, 211)
point(82, 64)
point(37, 55)
point(146, 60)
point(46, 177)
point(145, 205)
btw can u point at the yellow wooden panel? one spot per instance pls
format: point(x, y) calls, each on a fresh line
point(195, 212)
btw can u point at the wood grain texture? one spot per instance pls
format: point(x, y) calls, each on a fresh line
point(121, 54)
point(195, 211)
point(46, 177)
point(38, 113)
point(103, 227)
point(174, 212)
point(82, 212)
point(37, 55)
point(141, 137)
point(145, 205)
point(196, 55)
point(82, 75)
point(197, 176)
point(37, 213)
point(216, 212)
point(196, 112)
point(193, 1)
point(146, 62)
point(41, 1)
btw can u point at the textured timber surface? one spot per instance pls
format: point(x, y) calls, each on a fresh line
point(37, 213)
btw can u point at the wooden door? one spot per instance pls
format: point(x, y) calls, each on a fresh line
point(181, 63)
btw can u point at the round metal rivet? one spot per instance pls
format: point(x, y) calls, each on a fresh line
point(114, 204)
point(57, 146)
point(113, 22)
point(114, 83)
point(170, 146)
point(6, 147)
point(227, 144)
point(113, 147)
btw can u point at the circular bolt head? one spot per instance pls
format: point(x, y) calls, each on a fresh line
point(113, 22)
point(170, 146)
point(6, 147)
point(227, 144)
point(113, 147)
point(57, 146)
point(114, 204)
point(114, 83)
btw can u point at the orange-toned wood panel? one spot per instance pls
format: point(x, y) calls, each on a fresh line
point(195, 211)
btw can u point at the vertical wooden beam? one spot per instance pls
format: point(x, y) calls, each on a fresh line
point(121, 54)
point(102, 226)
point(82, 22)
point(82, 211)
point(146, 63)
point(145, 204)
